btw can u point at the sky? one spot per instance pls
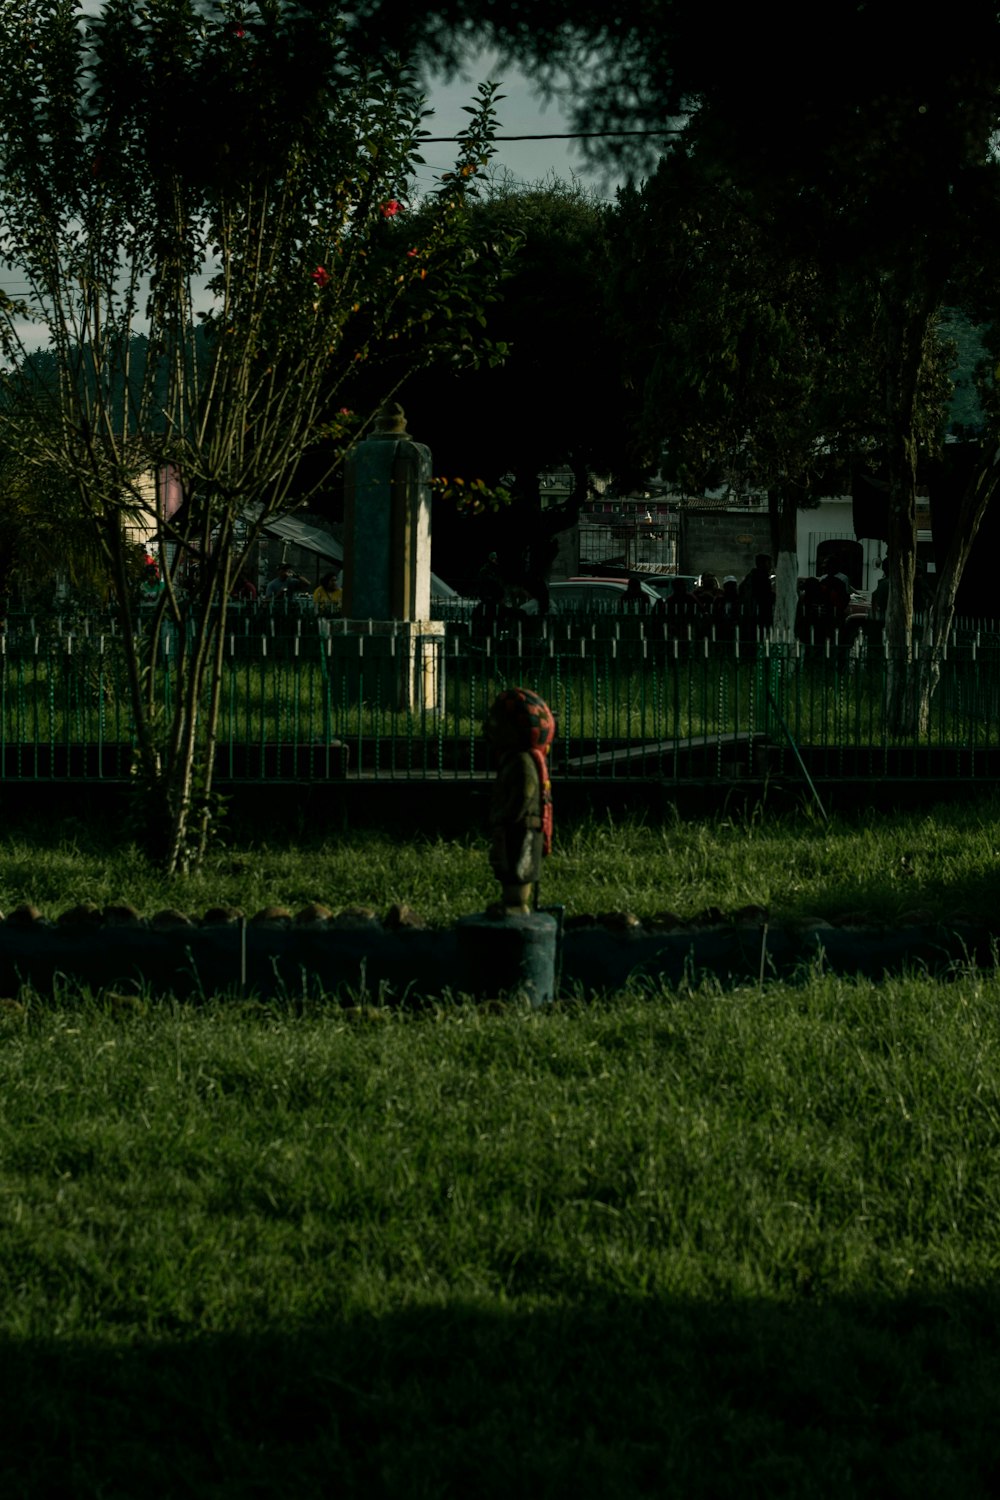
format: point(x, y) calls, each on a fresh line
point(522, 111)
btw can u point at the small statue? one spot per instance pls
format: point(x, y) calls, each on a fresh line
point(521, 728)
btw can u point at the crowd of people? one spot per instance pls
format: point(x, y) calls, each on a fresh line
point(325, 598)
point(721, 610)
point(707, 607)
point(744, 607)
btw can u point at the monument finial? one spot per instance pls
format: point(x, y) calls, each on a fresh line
point(390, 421)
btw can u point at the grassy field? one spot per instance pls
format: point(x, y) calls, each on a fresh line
point(940, 864)
point(627, 691)
point(693, 1242)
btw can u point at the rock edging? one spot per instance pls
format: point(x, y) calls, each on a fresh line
point(396, 957)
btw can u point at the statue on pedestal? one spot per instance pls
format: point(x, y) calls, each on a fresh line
point(520, 727)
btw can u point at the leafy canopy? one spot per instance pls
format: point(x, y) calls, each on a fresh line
point(205, 207)
point(229, 183)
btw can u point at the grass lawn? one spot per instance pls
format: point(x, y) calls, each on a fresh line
point(693, 1242)
point(624, 692)
point(940, 864)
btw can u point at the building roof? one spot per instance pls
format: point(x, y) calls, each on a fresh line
point(311, 538)
point(300, 533)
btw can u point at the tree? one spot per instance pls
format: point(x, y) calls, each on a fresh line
point(758, 366)
point(885, 155)
point(554, 400)
point(226, 182)
point(42, 536)
point(891, 174)
point(748, 373)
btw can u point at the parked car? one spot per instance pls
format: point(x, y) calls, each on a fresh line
point(589, 595)
point(663, 583)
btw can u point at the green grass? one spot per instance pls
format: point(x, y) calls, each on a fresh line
point(941, 864)
point(286, 698)
point(598, 688)
point(691, 1243)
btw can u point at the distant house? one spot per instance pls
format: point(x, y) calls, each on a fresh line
point(722, 533)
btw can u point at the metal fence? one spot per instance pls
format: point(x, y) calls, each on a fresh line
point(306, 699)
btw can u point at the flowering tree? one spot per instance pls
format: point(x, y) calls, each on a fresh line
point(207, 203)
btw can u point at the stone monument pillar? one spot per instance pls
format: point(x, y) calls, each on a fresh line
point(387, 524)
point(387, 559)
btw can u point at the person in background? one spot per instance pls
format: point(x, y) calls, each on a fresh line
point(680, 608)
point(634, 601)
point(491, 591)
point(286, 581)
point(243, 591)
point(726, 609)
point(490, 584)
point(880, 593)
point(151, 584)
point(328, 596)
point(810, 619)
point(835, 600)
point(757, 595)
point(705, 594)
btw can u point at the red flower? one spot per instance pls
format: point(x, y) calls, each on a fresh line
point(390, 208)
point(321, 276)
point(413, 252)
point(239, 32)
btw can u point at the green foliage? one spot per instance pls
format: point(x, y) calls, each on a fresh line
point(43, 533)
point(240, 151)
point(760, 361)
point(209, 206)
point(880, 166)
point(553, 401)
point(473, 496)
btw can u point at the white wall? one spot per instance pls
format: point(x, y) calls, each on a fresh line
point(834, 519)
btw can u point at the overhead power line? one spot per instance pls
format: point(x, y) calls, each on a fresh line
point(573, 135)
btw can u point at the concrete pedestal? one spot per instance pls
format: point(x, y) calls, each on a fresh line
point(398, 663)
point(508, 956)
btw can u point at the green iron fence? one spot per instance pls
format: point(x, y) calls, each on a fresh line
point(395, 701)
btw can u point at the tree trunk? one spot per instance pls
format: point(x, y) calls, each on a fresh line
point(177, 757)
point(786, 507)
point(938, 619)
point(907, 318)
point(216, 659)
point(901, 566)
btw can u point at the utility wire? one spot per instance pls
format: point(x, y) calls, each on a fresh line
point(573, 135)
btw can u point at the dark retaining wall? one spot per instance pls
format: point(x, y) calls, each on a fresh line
point(291, 960)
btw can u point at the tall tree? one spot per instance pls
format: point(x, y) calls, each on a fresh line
point(226, 180)
point(554, 400)
point(755, 371)
point(883, 150)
